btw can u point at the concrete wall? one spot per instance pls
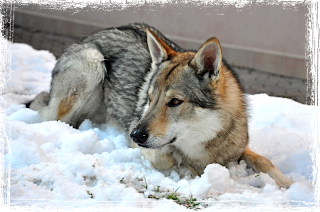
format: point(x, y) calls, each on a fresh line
point(266, 38)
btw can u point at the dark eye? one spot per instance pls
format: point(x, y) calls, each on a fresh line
point(174, 102)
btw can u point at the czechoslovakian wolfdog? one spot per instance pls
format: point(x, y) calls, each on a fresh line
point(183, 108)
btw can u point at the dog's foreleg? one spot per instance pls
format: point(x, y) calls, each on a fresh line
point(262, 164)
point(159, 160)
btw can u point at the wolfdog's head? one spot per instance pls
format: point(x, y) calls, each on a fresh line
point(187, 96)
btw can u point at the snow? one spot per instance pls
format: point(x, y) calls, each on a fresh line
point(55, 165)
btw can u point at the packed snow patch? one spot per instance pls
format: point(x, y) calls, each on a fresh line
point(55, 164)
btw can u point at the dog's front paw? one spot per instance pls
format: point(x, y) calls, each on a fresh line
point(282, 180)
point(163, 162)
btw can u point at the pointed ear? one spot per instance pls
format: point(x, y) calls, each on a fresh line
point(159, 50)
point(208, 59)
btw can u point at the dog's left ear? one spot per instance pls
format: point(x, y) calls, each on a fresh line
point(159, 50)
point(208, 59)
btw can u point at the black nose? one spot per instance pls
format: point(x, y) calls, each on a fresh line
point(139, 136)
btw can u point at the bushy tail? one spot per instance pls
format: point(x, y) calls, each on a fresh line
point(41, 100)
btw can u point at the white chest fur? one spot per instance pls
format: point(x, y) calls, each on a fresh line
point(192, 136)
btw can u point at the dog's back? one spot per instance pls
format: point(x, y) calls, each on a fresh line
point(103, 77)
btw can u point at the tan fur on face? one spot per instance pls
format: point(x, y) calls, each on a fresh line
point(159, 124)
point(181, 59)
